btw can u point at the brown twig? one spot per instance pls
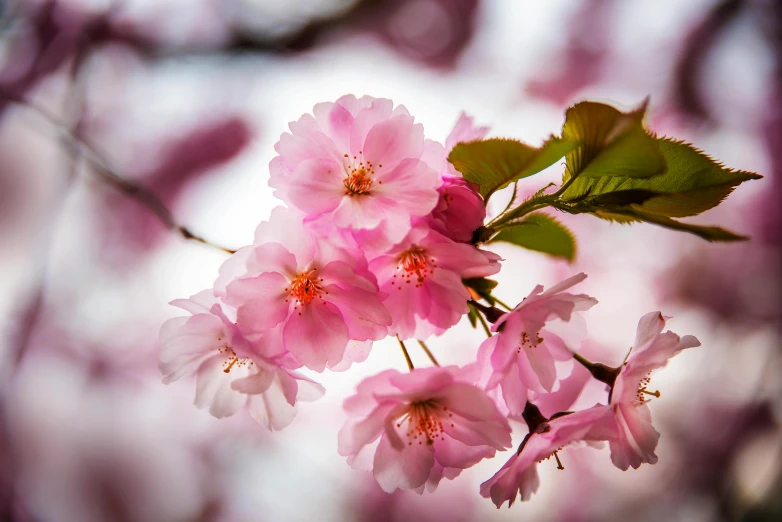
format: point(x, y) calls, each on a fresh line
point(102, 169)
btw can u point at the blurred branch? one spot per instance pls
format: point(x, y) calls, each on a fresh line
point(105, 172)
point(699, 43)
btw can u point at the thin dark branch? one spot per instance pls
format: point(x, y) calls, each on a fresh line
point(102, 169)
point(407, 355)
point(428, 353)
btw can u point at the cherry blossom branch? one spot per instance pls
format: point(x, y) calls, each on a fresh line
point(599, 371)
point(428, 353)
point(102, 169)
point(407, 355)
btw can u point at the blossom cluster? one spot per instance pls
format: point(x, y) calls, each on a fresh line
point(377, 239)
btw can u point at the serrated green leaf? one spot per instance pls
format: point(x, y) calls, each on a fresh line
point(494, 163)
point(691, 183)
point(636, 213)
point(542, 233)
point(613, 143)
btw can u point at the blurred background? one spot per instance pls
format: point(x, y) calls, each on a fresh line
point(181, 102)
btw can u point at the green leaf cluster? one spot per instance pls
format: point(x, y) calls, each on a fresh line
point(615, 169)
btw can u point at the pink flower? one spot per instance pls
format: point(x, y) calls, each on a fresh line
point(422, 276)
point(460, 209)
point(230, 368)
point(627, 420)
point(521, 357)
point(420, 426)
point(519, 476)
point(356, 165)
point(319, 293)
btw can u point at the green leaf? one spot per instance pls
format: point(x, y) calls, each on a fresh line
point(691, 183)
point(542, 233)
point(494, 163)
point(636, 213)
point(472, 316)
point(613, 143)
point(482, 287)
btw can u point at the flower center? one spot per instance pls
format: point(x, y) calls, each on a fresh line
point(358, 180)
point(425, 422)
point(232, 360)
point(528, 341)
point(642, 391)
point(414, 263)
point(305, 287)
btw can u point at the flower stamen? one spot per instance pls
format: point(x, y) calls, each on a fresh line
point(305, 287)
point(359, 180)
point(642, 384)
point(414, 263)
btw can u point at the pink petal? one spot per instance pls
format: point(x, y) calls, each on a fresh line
point(640, 437)
point(543, 364)
point(336, 121)
point(412, 186)
point(355, 352)
point(365, 317)
point(405, 469)
point(285, 226)
point(354, 435)
point(364, 400)
point(254, 384)
point(393, 140)
point(185, 341)
point(464, 131)
point(453, 454)
point(316, 335)
point(514, 392)
point(316, 186)
point(260, 301)
point(307, 390)
point(359, 212)
point(272, 257)
point(271, 409)
point(199, 303)
point(649, 327)
point(342, 274)
point(570, 389)
point(213, 388)
point(471, 403)
point(366, 118)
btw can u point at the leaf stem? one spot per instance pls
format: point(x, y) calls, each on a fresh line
point(407, 355)
point(535, 203)
point(583, 360)
point(428, 353)
point(484, 324)
point(502, 304)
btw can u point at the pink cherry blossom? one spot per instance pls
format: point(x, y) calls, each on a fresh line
point(521, 358)
point(519, 476)
point(356, 164)
point(627, 420)
point(413, 429)
point(460, 209)
point(422, 276)
point(229, 366)
point(321, 294)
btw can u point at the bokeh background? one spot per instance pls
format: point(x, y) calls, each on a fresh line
point(181, 102)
